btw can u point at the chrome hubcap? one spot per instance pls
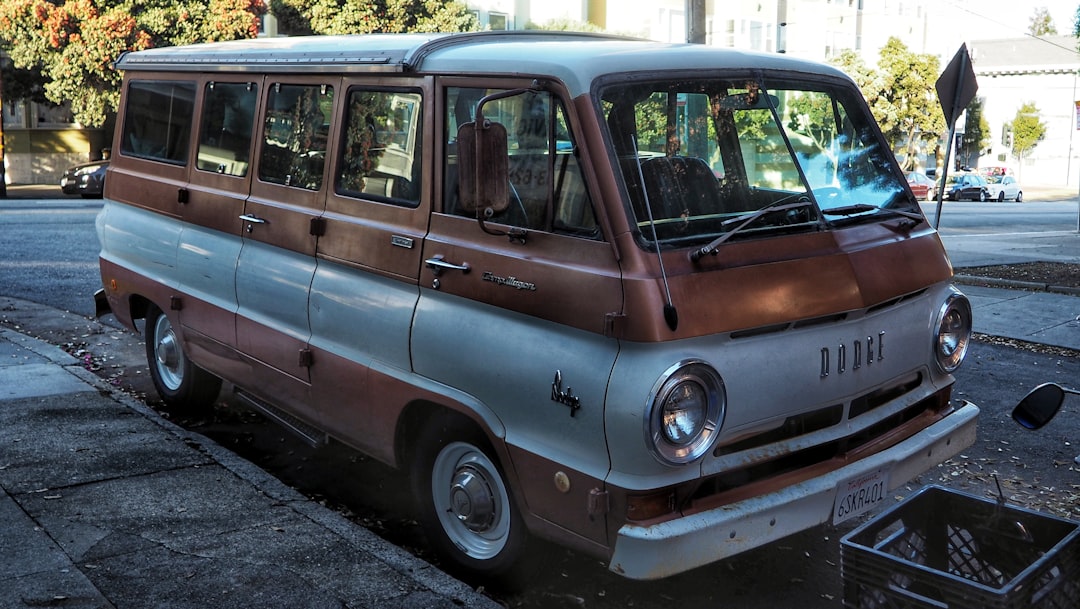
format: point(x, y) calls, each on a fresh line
point(170, 364)
point(471, 499)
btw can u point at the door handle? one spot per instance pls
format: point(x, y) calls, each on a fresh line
point(251, 221)
point(438, 264)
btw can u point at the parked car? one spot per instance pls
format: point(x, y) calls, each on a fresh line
point(961, 186)
point(1003, 188)
point(87, 179)
point(921, 186)
point(994, 170)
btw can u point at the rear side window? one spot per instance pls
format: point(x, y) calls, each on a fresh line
point(157, 120)
point(380, 156)
point(225, 136)
point(295, 131)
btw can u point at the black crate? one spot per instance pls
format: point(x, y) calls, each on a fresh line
point(945, 549)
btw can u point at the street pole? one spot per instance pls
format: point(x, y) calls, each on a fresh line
point(944, 175)
point(3, 171)
point(695, 22)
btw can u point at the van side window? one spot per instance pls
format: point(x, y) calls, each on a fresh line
point(380, 157)
point(547, 191)
point(295, 132)
point(225, 137)
point(158, 117)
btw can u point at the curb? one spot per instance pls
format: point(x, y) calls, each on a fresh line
point(1014, 284)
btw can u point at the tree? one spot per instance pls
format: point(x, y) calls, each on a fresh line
point(73, 43)
point(1041, 24)
point(565, 24)
point(902, 97)
point(305, 17)
point(1027, 131)
point(976, 137)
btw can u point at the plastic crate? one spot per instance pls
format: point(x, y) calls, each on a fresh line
point(946, 549)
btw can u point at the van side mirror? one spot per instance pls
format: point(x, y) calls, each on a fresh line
point(483, 168)
point(1039, 406)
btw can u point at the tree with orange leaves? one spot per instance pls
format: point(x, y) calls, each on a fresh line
point(75, 42)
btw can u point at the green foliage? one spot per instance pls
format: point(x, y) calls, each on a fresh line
point(565, 25)
point(976, 137)
point(1027, 130)
point(1041, 24)
point(304, 17)
point(901, 95)
point(74, 43)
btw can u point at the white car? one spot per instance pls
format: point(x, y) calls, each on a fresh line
point(1003, 188)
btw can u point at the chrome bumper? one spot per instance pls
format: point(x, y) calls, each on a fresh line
point(652, 552)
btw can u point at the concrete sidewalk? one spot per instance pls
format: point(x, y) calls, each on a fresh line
point(106, 505)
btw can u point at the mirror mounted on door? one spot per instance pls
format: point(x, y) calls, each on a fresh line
point(484, 162)
point(484, 167)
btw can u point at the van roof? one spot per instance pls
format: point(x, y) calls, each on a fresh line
point(575, 58)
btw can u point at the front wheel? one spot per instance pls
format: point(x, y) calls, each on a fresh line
point(1001, 196)
point(465, 505)
point(178, 381)
point(983, 197)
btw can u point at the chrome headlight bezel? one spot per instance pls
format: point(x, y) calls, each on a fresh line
point(952, 332)
point(702, 405)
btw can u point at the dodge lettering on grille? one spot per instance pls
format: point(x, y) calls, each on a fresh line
point(863, 352)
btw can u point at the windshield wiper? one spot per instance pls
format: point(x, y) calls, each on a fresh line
point(746, 220)
point(861, 208)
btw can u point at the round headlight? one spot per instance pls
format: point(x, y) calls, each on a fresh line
point(953, 332)
point(685, 413)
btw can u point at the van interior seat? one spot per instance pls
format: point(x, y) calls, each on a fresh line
point(680, 186)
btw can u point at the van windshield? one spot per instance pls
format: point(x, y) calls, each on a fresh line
point(703, 158)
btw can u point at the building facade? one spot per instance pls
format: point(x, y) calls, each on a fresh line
point(1041, 71)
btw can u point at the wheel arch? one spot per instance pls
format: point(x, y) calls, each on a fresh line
point(421, 413)
point(139, 306)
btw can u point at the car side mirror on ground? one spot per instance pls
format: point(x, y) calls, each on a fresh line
point(1040, 405)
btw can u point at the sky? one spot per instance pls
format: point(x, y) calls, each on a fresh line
point(987, 19)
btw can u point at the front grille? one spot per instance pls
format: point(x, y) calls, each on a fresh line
point(791, 461)
point(865, 403)
point(822, 418)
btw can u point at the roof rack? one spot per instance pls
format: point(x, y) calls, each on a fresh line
point(415, 58)
point(373, 52)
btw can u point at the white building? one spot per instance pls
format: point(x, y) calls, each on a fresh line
point(1042, 71)
point(815, 29)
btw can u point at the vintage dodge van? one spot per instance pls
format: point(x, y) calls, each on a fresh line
point(660, 303)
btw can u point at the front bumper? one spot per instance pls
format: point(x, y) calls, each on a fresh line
point(661, 550)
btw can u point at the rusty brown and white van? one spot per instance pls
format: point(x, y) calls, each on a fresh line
point(659, 303)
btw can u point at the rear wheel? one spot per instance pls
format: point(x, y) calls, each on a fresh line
point(983, 196)
point(1001, 196)
point(1019, 196)
point(178, 381)
point(465, 505)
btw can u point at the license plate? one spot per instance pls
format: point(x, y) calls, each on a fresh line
point(860, 494)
